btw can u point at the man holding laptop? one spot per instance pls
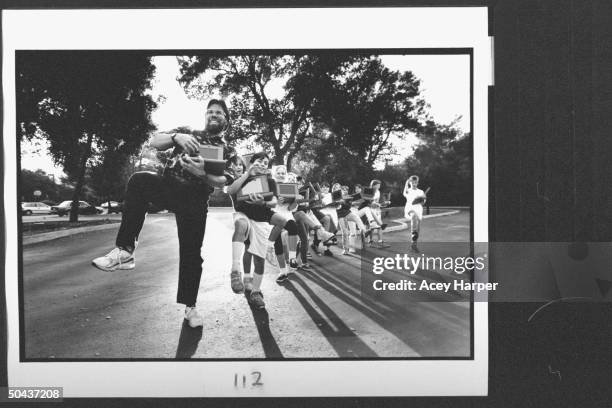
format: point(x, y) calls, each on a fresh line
point(199, 162)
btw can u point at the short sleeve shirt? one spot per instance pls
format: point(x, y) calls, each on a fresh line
point(413, 194)
point(260, 213)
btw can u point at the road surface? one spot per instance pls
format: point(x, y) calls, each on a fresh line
point(75, 311)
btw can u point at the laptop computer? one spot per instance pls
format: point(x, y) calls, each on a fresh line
point(213, 159)
point(259, 185)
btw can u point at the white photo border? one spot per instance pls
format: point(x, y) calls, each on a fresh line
point(303, 28)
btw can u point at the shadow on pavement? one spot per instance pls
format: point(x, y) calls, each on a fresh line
point(342, 338)
point(188, 341)
point(262, 321)
point(422, 326)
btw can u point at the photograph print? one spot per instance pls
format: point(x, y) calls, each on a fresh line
point(230, 205)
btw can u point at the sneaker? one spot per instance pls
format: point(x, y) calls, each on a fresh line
point(248, 284)
point(325, 236)
point(305, 266)
point(193, 317)
point(333, 240)
point(327, 252)
point(256, 299)
point(116, 259)
point(281, 278)
point(293, 265)
point(315, 248)
point(236, 282)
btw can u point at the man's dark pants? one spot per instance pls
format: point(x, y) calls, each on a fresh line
point(190, 206)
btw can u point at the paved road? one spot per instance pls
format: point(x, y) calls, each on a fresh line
point(73, 310)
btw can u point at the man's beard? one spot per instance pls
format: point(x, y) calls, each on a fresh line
point(215, 127)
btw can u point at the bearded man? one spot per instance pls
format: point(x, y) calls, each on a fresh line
point(183, 188)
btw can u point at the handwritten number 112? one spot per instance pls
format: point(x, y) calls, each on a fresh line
point(241, 381)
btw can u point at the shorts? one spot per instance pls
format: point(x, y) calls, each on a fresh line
point(258, 234)
point(283, 210)
point(257, 213)
point(414, 208)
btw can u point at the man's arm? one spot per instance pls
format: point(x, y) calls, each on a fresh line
point(162, 140)
point(166, 140)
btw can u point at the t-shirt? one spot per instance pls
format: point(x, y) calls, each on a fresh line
point(174, 171)
point(260, 213)
point(413, 194)
point(347, 204)
point(376, 197)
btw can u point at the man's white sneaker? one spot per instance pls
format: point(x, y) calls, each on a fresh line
point(193, 317)
point(116, 259)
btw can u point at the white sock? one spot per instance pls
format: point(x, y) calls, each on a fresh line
point(257, 278)
point(291, 254)
point(237, 253)
point(283, 271)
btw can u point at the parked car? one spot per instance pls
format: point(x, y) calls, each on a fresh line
point(84, 208)
point(35, 208)
point(115, 207)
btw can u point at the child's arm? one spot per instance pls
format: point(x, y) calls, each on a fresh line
point(239, 182)
point(271, 203)
point(406, 190)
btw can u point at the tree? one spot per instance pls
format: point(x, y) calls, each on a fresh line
point(278, 122)
point(367, 104)
point(86, 104)
point(443, 161)
point(30, 181)
point(360, 102)
point(110, 177)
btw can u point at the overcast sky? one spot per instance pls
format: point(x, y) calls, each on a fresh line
point(444, 83)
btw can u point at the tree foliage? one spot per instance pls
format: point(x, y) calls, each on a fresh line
point(87, 104)
point(271, 96)
point(52, 192)
point(443, 161)
point(367, 104)
point(278, 100)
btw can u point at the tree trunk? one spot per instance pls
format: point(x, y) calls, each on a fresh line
point(290, 158)
point(74, 210)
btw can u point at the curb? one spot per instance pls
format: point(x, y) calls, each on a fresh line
point(404, 225)
point(48, 236)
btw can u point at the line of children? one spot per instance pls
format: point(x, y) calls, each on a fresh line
point(255, 219)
